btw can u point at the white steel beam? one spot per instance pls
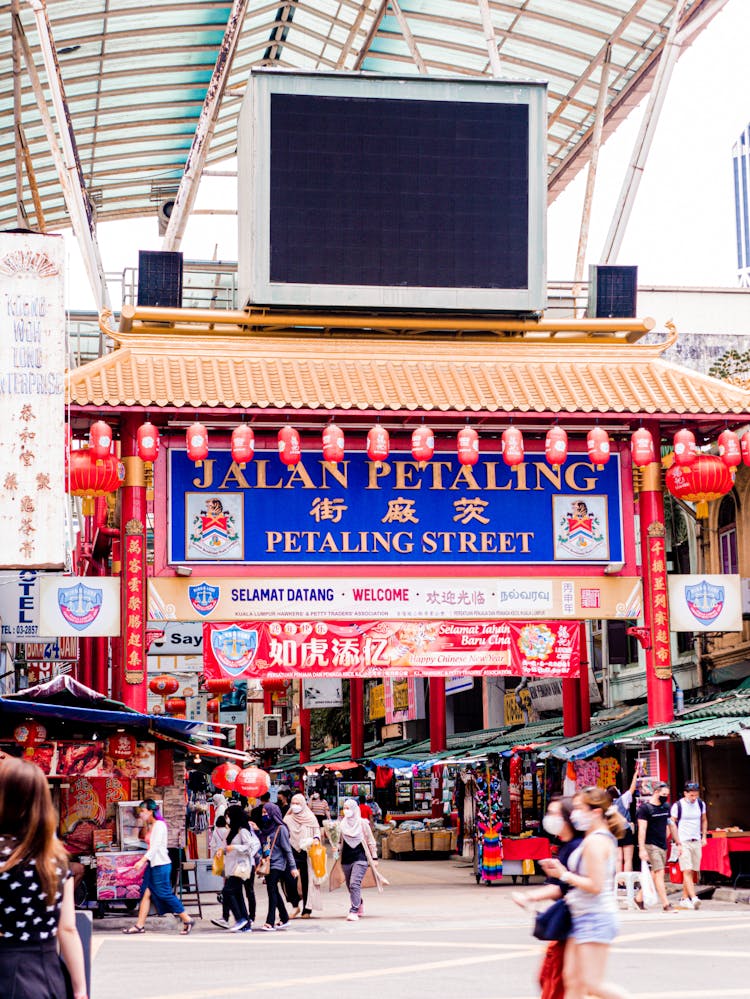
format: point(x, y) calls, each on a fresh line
point(67, 163)
point(490, 38)
point(196, 159)
point(624, 208)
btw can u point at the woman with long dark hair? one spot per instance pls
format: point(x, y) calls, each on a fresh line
point(239, 867)
point(556, 823)
point(157, 884)
point(36, 892)
point(590, 874)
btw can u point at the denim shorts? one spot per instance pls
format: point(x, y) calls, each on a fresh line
point(595, 927)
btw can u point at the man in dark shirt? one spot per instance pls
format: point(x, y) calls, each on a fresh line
point(654, 820)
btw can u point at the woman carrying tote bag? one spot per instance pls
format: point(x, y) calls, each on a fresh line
point(278, 859)
point(357, 863)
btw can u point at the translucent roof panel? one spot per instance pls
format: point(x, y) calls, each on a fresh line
point(136, 74)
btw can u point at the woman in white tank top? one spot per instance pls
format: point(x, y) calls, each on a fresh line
point(591, 899)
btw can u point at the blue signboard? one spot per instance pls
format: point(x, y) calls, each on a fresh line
point(399, 511)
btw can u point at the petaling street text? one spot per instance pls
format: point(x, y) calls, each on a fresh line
point(491, 476)
point(402, 542)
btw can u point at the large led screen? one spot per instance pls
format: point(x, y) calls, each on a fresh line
point(369, 192)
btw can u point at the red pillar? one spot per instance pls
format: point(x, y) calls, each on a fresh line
point(571, 697)
point(85, 661)
point(304, 735)
point(583, 683)
point(133, 539)
point(100, 659)
point(438, 737)
point(115, 644)
point(357, 718)
point(655, 599)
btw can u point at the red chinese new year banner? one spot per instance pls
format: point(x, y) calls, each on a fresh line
point(282, 649)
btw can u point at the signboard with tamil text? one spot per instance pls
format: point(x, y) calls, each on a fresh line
point(398, 511)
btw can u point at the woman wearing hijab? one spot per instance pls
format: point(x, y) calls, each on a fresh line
point(277, 846)
point(358, 853)
point(239, 861)
point(303, 827)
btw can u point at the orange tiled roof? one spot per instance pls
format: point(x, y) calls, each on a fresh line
point(379, 374)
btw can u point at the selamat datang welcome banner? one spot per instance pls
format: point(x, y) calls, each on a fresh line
point(284, 649)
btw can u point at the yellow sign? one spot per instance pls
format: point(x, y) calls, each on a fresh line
point(377, 701)
point(400, 690)
point(514, 712)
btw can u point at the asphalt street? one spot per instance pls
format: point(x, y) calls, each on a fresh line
point(434, 932)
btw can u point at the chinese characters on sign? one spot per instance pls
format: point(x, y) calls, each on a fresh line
point(391, 648)
point(133, 602)
point(32, 414)
point(657, 562)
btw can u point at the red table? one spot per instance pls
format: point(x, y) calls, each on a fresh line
point(716, 852)
point(530, 848)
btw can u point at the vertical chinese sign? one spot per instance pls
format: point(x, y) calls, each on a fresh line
point(133, 602)
point(32, 401)
point(657, 563)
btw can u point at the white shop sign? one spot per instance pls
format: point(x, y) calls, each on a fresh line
point(19, 605)
point(705, 603)
point(86, 606)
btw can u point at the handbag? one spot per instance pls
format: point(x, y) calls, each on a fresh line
point(243, 870)
point(554, 922)
point(217, 867)
point(263, 866)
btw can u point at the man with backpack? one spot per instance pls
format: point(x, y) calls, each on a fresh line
point(689, 815)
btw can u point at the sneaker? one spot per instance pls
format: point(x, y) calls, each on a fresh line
point(668, 908)
point(223, 924)
point(361, 909)
point(696, 903)
point(282, 926)
point(686, 903)
point(238, 927)
point(268, 928)
point(294, 912)
point(352, 917)
point(248, 928)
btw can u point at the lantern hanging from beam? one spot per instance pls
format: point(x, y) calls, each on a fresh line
point(511, 446)
point(730, 451)
point(467, 445)
point(225, 776)
point(243, 445)
point(556, 446)
point(333, 444)
point(642, 448)
point(89, 479)
point(378, 443)
point(252, 782)
point(147, 442)
point(213, 705)
point(175, 705)
point(100, 440)
point(745, 448)
point(422, 444)
point(196, 442)
point(219, 685)
point(707, 479)
point(685, 450)
point(598, 446)
point(290, 446)
point(164, 685)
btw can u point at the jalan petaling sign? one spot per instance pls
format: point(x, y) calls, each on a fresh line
point(397, 511)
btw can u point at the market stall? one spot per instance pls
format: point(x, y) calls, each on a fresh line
point(717, 855)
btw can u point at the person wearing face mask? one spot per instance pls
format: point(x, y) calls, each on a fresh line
point(590, 876)
point(358, 858)
point(277, 846)
point(556, 823)
point(303, 828)
point(654, 819)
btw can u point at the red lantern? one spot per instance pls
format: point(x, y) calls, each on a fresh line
point(224, 776)
point(219, 685)
point(88, 478)
point(196, 442)
point(708, 478)
point(121, 746)
point(290, 446)
point(213, 705)
point(274, 686)
point(729, 448)
point(252, 782)
point(511, 446)
point(422, 444)
point(642, 448)
point(30, 734)
point(685, 451)
point(100, 440)
point(378, 443)
point(745, 448)
point(243, 444)
point(147, 442)
point(556, 446)
point(175, 705)
point(598, 446)
point(467, 444)
point(333, 444)
point(164, 685)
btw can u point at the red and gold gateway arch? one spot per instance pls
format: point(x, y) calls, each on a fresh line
point(177, 367)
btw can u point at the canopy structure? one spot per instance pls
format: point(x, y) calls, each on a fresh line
point(143, 80)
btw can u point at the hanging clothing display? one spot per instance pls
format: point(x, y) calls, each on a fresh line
point(489, 855)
